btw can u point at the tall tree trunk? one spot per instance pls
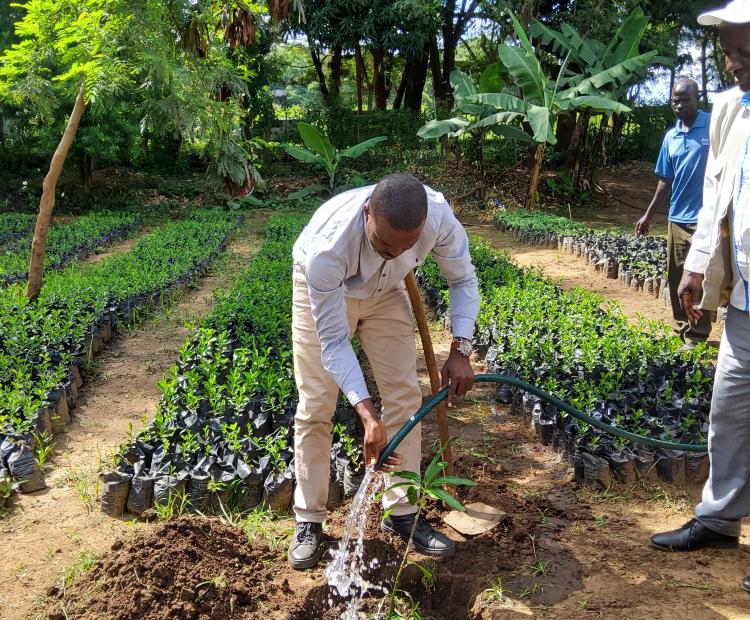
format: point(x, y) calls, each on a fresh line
point(360, 59)
point(536, 172)
point(725, 78)
point(335, 65)
point(417, 78)
point(321, 75)
point(613, 150)
point(401, 87)
point(598, 155)
point(358, 79)
point(449, 64)
point(672, 78)
point(86, 168)
point(578, 144)
point(527, 14)
point(47, 203)
point(566, 126)
point(435, 71)
point(704, 70)
point(378, 78)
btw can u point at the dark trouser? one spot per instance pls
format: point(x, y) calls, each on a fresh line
point(678, 245)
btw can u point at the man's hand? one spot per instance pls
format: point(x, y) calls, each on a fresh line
point(690, 292)
point(457, 375)
point(642, 225)
point(375, 437)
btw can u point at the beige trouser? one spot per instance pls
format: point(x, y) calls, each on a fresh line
point(385, 329)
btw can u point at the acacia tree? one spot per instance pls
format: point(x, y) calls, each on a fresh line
point(67, 50)
point(73, 54)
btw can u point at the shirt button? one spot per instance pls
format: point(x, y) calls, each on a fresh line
point(379, 290)
point(382, 275)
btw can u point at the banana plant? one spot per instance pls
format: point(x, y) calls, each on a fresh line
point(591, 57)
point(530, 112)
point(322, 153)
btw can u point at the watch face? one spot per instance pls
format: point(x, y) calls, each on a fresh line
point(465, 347)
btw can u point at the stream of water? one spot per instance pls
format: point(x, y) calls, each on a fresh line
point(346, 572)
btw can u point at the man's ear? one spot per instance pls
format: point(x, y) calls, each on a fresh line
point(367, 208)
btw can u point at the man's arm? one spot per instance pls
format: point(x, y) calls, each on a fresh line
point(325, 284)
point(451, 253)
point(660, 198)
point(690, 290)
point(665, 171)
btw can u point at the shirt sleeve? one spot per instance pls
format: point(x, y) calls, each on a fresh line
point(451, 253)
point(664, 167)
point(697, 258)
point(324, 273)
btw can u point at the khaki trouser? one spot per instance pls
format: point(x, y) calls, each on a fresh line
point(385, 328)
point(679, 238)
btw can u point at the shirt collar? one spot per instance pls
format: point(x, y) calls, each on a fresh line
point(700, 121)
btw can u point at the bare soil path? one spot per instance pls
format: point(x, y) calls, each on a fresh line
point(571, 272)
point(119, 247)
point(57, 528)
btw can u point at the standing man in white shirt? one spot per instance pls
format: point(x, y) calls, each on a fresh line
point(349, 268)
point(717, 272)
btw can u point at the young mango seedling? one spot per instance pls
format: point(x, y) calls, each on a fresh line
point(418, 491)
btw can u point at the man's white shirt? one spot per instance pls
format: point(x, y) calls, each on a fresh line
point(698, 257)
point(339, 261)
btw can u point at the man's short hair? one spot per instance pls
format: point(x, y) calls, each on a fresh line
point(402, 200)
point(692, 86)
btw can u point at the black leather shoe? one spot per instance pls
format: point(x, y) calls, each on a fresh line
point(745, 583)
point(692, 536)
point(426, 540)
point(304, 550)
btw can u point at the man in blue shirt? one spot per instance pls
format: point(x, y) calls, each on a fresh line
point(681, 168)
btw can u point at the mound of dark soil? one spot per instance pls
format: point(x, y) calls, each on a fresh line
point(185, 568)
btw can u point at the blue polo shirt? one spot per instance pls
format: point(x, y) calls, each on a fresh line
point(682, 159)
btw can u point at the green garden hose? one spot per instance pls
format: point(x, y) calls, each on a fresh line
point(561, 405)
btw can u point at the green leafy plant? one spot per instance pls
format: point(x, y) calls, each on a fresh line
point(352, 447)
point(45, 445)
point(321, 153)
point(419, 489)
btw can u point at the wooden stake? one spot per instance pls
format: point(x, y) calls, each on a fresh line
point(429, 356)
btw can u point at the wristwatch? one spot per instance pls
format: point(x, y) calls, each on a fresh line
point(463, 346)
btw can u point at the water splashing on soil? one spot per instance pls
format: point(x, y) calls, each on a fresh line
point(346, 572)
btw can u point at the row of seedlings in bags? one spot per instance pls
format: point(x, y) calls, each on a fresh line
point(46, 341)
point(222, 435)
point(639, 263)
point(67, 242)
point(15, 225)
point(583, 350)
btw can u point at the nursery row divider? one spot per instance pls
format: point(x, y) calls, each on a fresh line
point(429, 356)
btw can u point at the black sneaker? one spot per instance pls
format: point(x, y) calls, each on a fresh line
point(304, 550)
point(426, 539)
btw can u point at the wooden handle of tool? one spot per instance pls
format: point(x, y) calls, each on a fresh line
point(429, 356)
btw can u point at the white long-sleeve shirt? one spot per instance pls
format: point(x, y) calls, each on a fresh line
point(698, 257)
point(338, 261)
